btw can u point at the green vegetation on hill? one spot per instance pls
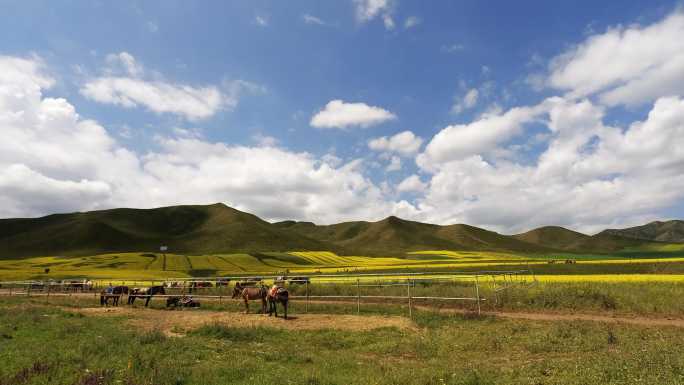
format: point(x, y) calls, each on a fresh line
point(184, 229)
point(393, 235)
point(220, 229)
point(553, 237)
point(670, 231)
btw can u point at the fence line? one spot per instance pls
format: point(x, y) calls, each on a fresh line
point(408, 280)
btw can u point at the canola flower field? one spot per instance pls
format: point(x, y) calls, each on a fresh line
point(606, 268)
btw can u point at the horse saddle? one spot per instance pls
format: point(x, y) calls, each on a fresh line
point(275, 290)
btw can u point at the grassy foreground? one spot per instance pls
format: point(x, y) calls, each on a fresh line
point(50, 345)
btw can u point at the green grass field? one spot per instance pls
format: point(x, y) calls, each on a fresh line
point(44, 344)
point(70, 340)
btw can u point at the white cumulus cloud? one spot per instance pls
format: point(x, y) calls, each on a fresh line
point(625, 65)
point(411, 184)
point(367, 10)
point(132, 89)
point(52, 160)
point(340, 114)
point(405, 143)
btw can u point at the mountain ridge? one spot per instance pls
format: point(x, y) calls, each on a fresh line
point(217, 228)
point(661, 231)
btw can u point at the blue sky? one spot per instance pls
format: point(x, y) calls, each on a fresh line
point(217, 101)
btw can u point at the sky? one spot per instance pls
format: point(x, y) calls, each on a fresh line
point(499, 114)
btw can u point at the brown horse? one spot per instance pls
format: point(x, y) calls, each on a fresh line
point(251, 292)
point(113, 293)
point(145, 292)
point(277, 294)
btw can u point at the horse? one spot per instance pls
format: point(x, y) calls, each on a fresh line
point(145, 292)
point(251, 292)
point(184, 301)
point(113, 293)
point(277, 294)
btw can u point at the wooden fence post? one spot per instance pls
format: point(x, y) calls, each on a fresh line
point(477, 293)
point(358, 297)
point(306, 309)
point(408, 294)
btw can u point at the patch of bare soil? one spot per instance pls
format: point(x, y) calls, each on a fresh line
point(636, 320)
point(175, 323)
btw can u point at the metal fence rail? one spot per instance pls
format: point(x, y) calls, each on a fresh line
point(356, 287)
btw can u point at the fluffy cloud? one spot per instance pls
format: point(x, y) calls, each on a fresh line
point(480, 137)
point(367, 10)
point(589, 176)
point(52, 160)
point(625, 65)
point(405, 143)
point(339, 114)
point(394, 164)
point(132, 89)
point(411, 184)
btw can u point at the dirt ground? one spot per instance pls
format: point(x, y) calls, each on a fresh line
point(177, 323)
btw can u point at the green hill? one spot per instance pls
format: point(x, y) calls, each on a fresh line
point(669, 231)
point(184, 229)
point(574, 242)
point(553, 237)
point(393, 235)
point(220, 229)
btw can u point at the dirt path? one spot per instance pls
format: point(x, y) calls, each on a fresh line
point(643, 321)
point(175, 323)
point(350, 322)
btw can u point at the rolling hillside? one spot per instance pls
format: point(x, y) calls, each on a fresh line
point(669, 231)
point(185, 229)
point(553, 237)
point(220, 229)
point(394, 235)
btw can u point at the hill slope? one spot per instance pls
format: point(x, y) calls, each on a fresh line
point(220, 229)
point(185, 229)
point(553, 237)
point(669, 231)
point(394, 235)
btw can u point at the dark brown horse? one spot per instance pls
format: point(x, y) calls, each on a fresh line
point(145, 292)
point(277, 295)
point(251, 292)
point(113, 293)
point(181, 301)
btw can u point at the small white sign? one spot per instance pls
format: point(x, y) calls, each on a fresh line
point(163, 248)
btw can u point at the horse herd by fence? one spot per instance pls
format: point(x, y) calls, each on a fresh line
point(246, 291)
point(268, 291)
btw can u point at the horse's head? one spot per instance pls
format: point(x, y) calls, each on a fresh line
point(237, 290)
point(158, 290)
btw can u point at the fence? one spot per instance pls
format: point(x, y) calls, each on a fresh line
point(350, 289)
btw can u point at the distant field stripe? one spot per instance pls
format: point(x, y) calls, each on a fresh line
point(154, 259)
point(230, 263)
point(608, 278)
